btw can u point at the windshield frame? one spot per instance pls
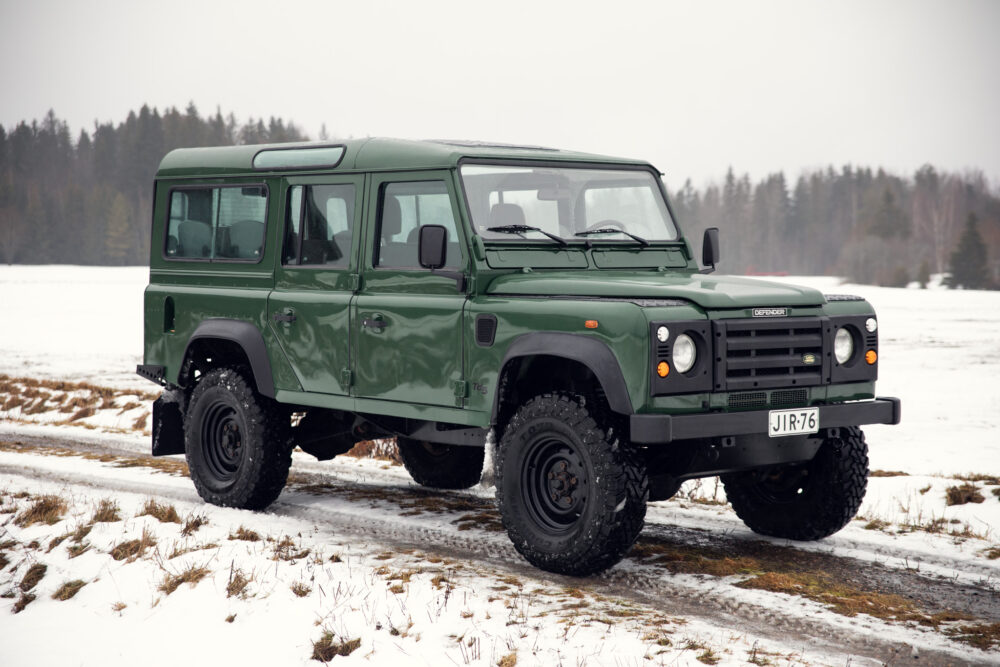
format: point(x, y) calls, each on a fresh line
point(582, 242)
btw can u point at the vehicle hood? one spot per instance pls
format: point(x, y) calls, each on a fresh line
point(707, 291)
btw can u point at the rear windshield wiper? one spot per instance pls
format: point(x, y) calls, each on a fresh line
point(612, 230)
point(520, 229)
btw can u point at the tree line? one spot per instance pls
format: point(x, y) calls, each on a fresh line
point(867, 225)
point(87, 201)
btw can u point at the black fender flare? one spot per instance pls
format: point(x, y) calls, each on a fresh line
point(592, 353)
point(249, 338)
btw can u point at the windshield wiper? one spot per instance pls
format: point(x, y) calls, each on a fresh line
point(520, 229)
point(612, 230)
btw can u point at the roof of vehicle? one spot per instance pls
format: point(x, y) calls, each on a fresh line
point(369, 154)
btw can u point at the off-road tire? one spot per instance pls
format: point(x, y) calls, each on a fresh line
point(555, 445)
point(806, 501)
point(237, 442)
point(441, 466)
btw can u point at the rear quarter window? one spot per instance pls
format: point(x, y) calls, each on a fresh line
point(216, 223)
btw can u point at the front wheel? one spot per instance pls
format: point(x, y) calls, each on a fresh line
point(441, 466)
point(237, 442)
point(804, 501)
point(572, 496)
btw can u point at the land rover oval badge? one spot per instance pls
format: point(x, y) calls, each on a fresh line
point(770, 312)
point(809, 358)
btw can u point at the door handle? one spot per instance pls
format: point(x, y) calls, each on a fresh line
point(287, 317)
point(375, 322)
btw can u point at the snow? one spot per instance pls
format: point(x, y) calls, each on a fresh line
point(939, 353)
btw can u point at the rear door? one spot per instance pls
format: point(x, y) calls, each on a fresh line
point(310, 307)
point(408, 320)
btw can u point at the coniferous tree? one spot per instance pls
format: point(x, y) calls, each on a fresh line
point(968, 261)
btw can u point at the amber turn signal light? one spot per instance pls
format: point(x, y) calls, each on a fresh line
point(590, 324)
point(663, 369)
point(871, 357)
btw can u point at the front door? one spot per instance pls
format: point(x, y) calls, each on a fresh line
point(310, 307)
point(408, 320)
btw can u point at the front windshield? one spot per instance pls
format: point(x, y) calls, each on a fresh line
point(572, 203)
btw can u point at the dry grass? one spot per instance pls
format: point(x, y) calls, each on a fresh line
point(287, 551)
point(380, 450)
point(75, 550)
point(4, 561)
point(237, 585)
point(162, 513)
point(694, 560)
point(68, 590)
point(965, 493)
point(245, 534)
point(300, 589)
point(22, 602)
point(118, 607)
point(192, 575)
point(32, 577)
point(985, 636)
point(708, 656)
point(327, 647)
point(134, 549)
point(888, 473)
point(106, 512)
point(192, 524)
point(82, 413)
point(877, 524)
point(509, 660)
point(44, 509)
point(989, 480)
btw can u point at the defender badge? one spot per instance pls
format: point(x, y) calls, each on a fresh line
point(809, 358)
point(770, 312)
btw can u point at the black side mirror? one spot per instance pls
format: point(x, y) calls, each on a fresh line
point(433, 246)
point(710, 249)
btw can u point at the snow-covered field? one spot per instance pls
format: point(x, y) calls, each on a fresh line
point(370, 562)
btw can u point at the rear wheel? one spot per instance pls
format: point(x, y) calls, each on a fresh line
point(236, 441)
point(571, 495)
point(805, 501)
point(441, 466)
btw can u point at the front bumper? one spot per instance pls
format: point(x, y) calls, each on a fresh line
point(660, 429)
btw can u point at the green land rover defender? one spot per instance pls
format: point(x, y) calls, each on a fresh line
point(317, 295)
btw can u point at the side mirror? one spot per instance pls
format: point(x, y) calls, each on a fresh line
point(432, 248)
point(710, 249)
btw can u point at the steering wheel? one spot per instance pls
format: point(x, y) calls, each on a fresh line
point(607, 223)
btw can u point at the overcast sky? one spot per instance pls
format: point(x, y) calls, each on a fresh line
point(691, 86)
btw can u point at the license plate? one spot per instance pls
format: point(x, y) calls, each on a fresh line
point(793, 422)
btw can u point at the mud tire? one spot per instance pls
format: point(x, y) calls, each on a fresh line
point(807, 501)
point(237, 442)
point(441, 466)
point(555, 445)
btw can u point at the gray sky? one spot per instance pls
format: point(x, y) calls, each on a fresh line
point(691, 86)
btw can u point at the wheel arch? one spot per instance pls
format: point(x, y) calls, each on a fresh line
point(563, 348)
point(231, 340)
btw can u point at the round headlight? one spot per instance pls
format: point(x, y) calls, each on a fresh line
point(685, 353)
point(662, 334)
point(871, 324)
point(843, 346)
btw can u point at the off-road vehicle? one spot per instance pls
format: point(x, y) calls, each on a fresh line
point(318, 295)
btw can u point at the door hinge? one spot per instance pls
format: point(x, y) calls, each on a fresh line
point(353, 282)
point(461, 390)
point(346, 378)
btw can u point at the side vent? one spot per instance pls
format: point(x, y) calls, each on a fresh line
point(486, 330)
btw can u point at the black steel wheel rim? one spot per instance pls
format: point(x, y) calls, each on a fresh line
point(783, 485)
point(222, 441)
point(554, 482)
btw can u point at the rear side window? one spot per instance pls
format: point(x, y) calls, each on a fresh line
point(217, 224)
point(319, 225)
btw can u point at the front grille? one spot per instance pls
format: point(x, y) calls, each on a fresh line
point(782, 398)
point(750, 399)
point(760, 354)
point(788, 398)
